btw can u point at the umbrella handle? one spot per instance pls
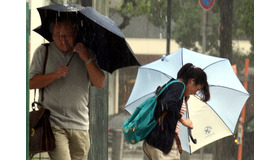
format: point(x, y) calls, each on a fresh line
point(190, 132)
point(193, 140)
point(71, 59)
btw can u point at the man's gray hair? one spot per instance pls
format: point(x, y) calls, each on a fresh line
point(61, 20)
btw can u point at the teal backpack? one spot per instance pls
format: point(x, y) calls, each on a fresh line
point(142, 121)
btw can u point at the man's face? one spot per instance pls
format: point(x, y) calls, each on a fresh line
point(64, 36)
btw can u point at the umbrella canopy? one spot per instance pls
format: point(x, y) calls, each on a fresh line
point(95, 31)
point(212, 120)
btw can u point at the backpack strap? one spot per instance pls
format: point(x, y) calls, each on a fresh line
point(160, 119)
point(160, 89)
point(44, 68)
point(158, 92)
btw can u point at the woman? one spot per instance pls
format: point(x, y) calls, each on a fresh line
point(160, 144)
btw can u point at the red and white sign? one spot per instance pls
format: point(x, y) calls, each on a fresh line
point(206, 4)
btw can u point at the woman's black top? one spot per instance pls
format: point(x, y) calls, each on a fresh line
point(168, 101)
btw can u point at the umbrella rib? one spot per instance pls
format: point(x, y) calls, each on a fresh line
point(215, 113)
point(168, 76)
point(228, 88)
point(138, 99)
point(153, 91)
point(219, 117)
point(182, 54)
point(214, 63)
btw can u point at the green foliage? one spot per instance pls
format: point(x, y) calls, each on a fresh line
point(246, 14)
point(188, 28)
point(157, 12)
point(186, 15)
point(132, 8)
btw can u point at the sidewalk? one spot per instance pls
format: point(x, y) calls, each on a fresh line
point(129, 155)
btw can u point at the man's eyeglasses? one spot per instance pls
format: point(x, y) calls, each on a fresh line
point(59, 36)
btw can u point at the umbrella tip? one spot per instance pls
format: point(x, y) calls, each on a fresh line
point(163, 57)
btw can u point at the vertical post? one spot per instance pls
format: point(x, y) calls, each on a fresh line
point(98, 108)
point(204, 12)
point(27, 78)
point(118, 139)
point(239, 157)
point(99, 123)
point(168, 31)
point(204, 31)
point(116, 92)
point(113, 92)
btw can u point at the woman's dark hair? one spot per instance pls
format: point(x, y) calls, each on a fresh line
point(189, 71)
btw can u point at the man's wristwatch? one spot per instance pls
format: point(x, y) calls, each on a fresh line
point(89, 60)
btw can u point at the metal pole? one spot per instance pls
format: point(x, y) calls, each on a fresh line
point(243, 110)
point(203, 51)
point(168, 34)
point(117, 145)
point(204, 31)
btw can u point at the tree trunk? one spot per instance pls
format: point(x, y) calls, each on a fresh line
point(225, 148)
point(226, 10)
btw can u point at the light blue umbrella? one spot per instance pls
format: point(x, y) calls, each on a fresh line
point(212, 120)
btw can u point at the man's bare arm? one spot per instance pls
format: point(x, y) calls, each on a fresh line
point(42, 80)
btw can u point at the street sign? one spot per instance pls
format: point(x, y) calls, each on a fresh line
point(206, 4)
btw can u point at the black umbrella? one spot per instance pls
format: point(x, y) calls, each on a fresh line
point(95, 31)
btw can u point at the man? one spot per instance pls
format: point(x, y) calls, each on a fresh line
point(66, 89)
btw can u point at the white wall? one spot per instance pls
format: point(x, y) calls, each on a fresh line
point(35, 21)
point(158, 46)
point(35, 39)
